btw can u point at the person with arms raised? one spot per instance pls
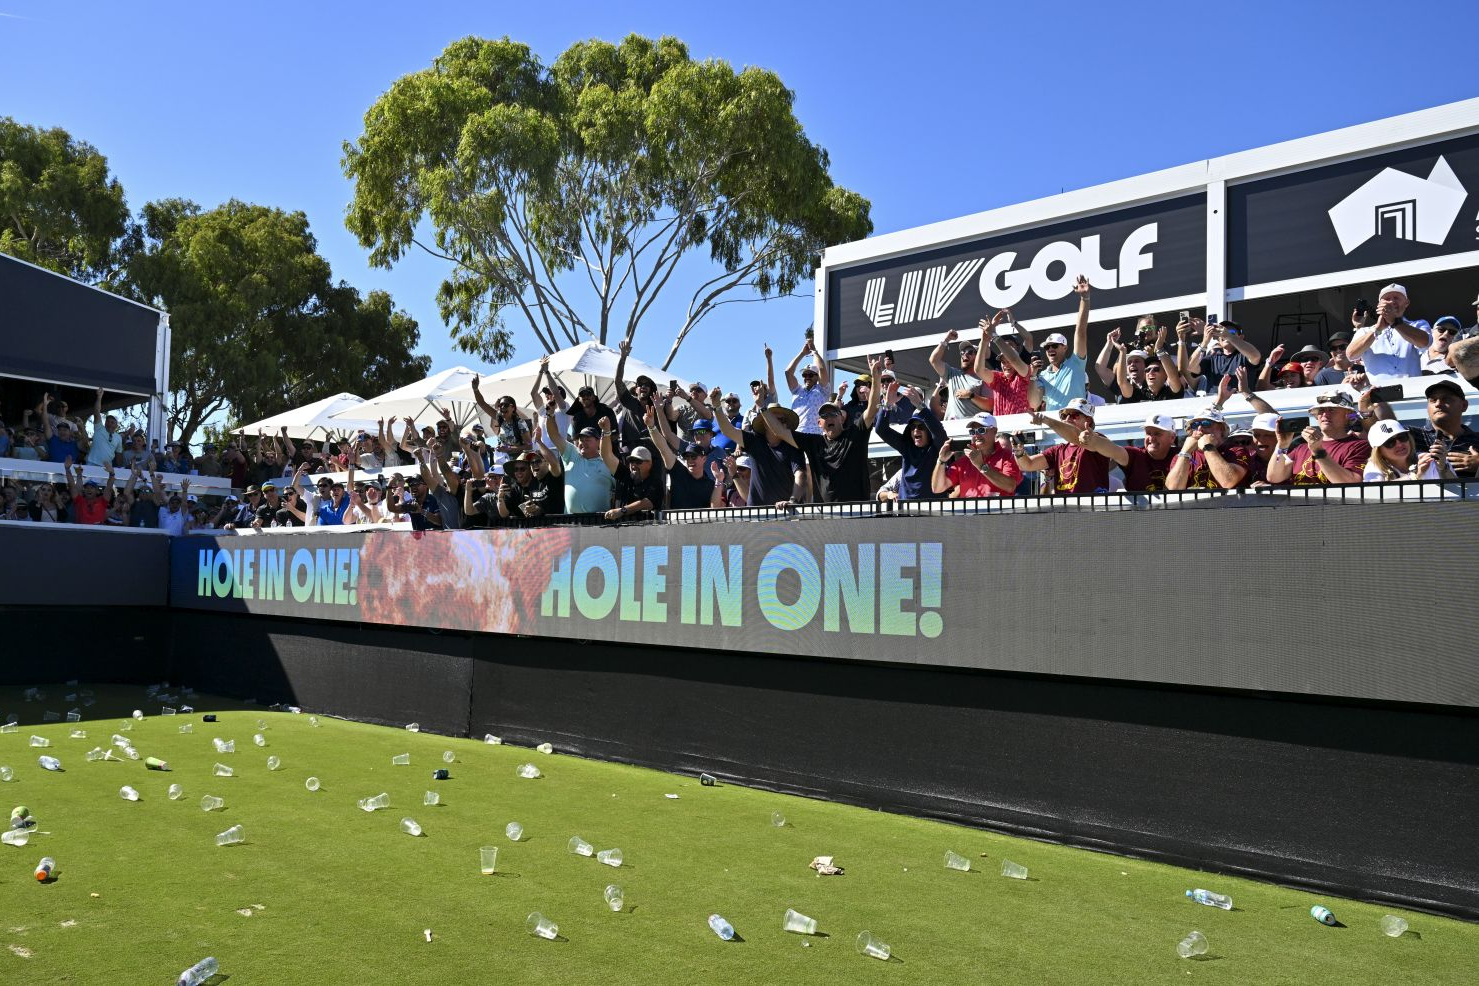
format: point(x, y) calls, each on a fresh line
point(1076, 467)
point(1065, 377)
point(918, 445)
point(1014, 388)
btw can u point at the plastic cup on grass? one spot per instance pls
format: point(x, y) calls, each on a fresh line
point(6, 774)
point(1014, 870)
point(528, 771)
point(1393, 926)
point(401, 760)
point(514, 831)
point(798, 923)
point(611, 857)
point(542, 927)
point(448, 756)
point(259, 739)
point(410, 826)
point(212, 803)
point(615, 899)
point(127, 793)
point(488, 860)
point(579, 846)
point(872, 947)
point(222, 770)
point(232, 836)
point(175, 792)
point(778, 820)
point(311, 783)
point(1193, 944)
point(432, 799)
point(413, 727)
point(955, 861)
point(545, 748)
point(273, 763)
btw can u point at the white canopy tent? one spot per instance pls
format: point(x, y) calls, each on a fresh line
point(420, 401)
point(588, 364)
point(312, 420)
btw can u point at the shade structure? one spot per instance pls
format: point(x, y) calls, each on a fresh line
point(588, 364)
point(421, 401)
point(312, 420)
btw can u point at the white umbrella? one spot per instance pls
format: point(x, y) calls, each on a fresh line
point(310, 420)
point(588, 364)
point(420, 401)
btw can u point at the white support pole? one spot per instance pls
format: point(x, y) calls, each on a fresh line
point(1217, 248)
point(157, 423)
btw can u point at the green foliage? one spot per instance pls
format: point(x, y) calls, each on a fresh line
point(258, 324)
point(59, 207)
point(601, 171)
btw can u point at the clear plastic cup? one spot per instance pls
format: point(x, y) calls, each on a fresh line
point(488, 860)
point(212, 803)
point(311, 783)
point(545, 748)
point(611, 857)
point(15, 837)
point(273, 763)
point(259, 739)
point(492, 740)
point(541, 926)
point(127, 793)
point(231, 837)
point(175, 792)
point(410, 826)
point(77, 734)
point(188, 727)
point(432, 799)
point(798, 923)
point(778, 820)
point(401, 760)
point(1193, 944)
point(955, 861)
point(514, 831)
point(413, 727)
point(261, 724)
point(448, 756)
point(871, 946)
point(1014, 870)
point(615, 899)
point(381, 800)
point(6, 774)
point(224, 746)
point(1393, 926)
point(528, 771)
point(579, 846)
point(40, 741)
point(221, 770)
point(313, 721)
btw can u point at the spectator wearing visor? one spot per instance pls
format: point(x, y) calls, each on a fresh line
point(812, 391)
point(919, 446)
point(967, 394)
point(837, 452)
point(1394, 458)
point(695, 481)
point(1064, 377)
point(1331, 453)
point(1392, 347)
point(589, 464)
point(1209, 458)
point(1445, 331)
point(1145, 468)
point(988, 467)
point(1074, 467)
point(1014, 388)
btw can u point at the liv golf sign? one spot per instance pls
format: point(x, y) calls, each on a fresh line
point(1131, 256)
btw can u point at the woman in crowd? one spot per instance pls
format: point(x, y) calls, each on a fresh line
point(47, 506)
point(1393, 458)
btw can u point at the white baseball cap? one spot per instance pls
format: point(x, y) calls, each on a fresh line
point(984, 419)
point(1393, 289)
point(744, 462)
point(1265, 422)
point(1384, 431)
point(1081, 406)
point(1057, 338)
point(1212, 413)
point(1138, 354)
point(1162, 421)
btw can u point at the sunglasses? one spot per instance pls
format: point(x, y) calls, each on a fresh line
point(975, 431)
point(1241, 442)
point(1053, 345)
point(741, 468)
point(1203, 423)
point(1396, 440)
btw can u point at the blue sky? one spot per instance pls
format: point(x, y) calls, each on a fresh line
point(930, 110)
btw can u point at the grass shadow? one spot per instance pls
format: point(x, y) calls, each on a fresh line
point(1206, 957)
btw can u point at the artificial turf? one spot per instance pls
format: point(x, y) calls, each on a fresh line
point(338, 895)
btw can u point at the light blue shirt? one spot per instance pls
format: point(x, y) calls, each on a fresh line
point(588, 483)
point(1391, 357)
point(1064, 383)
point(105, 447)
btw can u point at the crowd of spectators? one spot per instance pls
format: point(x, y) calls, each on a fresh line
point(670, 447)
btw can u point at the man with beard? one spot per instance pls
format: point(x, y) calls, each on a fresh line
point(1208, 460)
point(633, 428)
point(586, 413)
point(838, 453)
point(694, 482)
point(988, 467)
point(778, 474)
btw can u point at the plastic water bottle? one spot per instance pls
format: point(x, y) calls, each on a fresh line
point(198, 973)
point(45, 868)
point(1210, 899)
point(50, 763)
point(721, 927)
point(1322, 915)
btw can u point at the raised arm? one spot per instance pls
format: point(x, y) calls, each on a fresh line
point(41, 409)
point(769, 373)
point(779, 429)
point(937, 355)
point(724, 424)
point(97, 409)
point(791, 382)
point(289, 450)
point(1097, 442)
point(1104, 363)
point(536, 399)
point(608, 454)
point(477, 396)
point(658, 424)
point(74, 476)
point(1122, 369)
point(1081, 328)
point(870, 409)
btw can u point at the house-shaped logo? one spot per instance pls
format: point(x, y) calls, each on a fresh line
point(1402, 206)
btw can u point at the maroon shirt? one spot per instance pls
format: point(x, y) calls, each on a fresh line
point(1078, 469)
point(1201, 477)
point(1144, 474)
point(1350, 452)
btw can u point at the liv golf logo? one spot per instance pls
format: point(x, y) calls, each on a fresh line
point(1401, 206)
point(927, 293)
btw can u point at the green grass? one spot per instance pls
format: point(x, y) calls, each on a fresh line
point(345, 895)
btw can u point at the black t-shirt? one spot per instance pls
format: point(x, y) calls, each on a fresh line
point(580, 418)
point(630, 489)
point(1218, 364)
point(840, 466)
point(485, 512)
point(549, 492)
point(774, 477)
point(689, 493)
point(1139, 393)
